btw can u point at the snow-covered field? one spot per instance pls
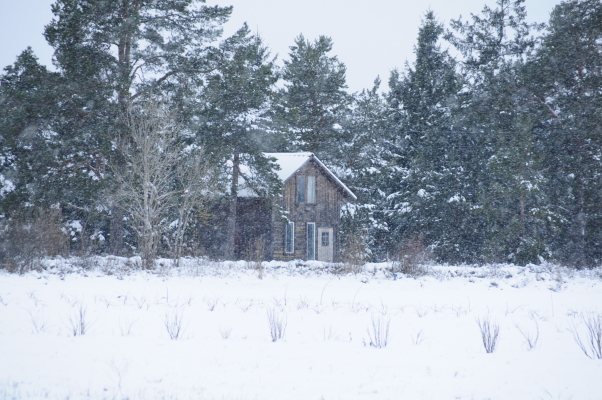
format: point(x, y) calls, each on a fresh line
point(224, 348)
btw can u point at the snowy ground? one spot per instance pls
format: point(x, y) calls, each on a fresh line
point(225, 349)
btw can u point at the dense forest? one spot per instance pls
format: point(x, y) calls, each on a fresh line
point(486, 148)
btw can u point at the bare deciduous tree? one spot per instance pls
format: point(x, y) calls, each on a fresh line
point(160, 174)
point(195, 181)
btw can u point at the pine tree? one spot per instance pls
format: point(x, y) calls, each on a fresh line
point(234, 119)
point(41, 174)
point(130, 47)
point(109, 54)
point(314, 101)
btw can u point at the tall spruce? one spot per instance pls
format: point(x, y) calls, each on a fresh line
point(566, 77)
point(422, 101)
point(503, 181)
point(44, 134)
point(28, 146)
point(361, 161)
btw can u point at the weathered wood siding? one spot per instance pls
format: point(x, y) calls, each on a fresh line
point(253, 230)
point(325, 212)
point(260, 227)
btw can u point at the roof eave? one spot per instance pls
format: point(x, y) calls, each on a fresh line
point(344, 187)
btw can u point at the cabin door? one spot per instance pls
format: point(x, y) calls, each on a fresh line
point(325, 247)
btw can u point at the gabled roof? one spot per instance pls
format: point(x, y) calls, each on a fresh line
point(290, 163)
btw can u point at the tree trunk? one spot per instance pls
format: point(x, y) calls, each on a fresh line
point(231, 242)
point(116, 239)
point(579, 238)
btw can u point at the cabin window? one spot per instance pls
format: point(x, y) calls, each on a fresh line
point(311, 189)
point(301, 189)
point(306, 189)
point(289, 238)
point(325, 239)
point(311, 241)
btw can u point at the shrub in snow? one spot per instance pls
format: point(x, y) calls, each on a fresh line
point(354, 253)
point(418, 338)
point(211, 302)
point(303, 303)
point(225, 331)
point(530, 337)
point(38, 322)
point(78, 323)
point(25, 240)
point(412, 258)
point(591, 343)
point(254, 255)
point(490, 333)
point(329, 334)
point(125, 325)
point(378, 331)
point(174, 323)
point(277, 324)
point(244, 305)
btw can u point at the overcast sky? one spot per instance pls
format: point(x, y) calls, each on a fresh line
point(370, 37)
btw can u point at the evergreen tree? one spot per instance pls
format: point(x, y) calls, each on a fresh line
point(421, 102)
point(27, 92)
point(40, 178)
point(234, 119)
point(565, 79)
point(130, 47)
point(314, 101)
point(362, 164)
point(503, 184)
point(108, 55)
point(44, 165)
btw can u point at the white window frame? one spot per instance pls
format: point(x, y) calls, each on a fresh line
point(311, 227)
point(301, 189)
point(311, 189)
point(291, 234)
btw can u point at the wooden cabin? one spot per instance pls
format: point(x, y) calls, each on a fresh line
point(302, 224)
point(311, 202)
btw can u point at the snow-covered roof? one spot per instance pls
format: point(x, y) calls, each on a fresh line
point(291, 162)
